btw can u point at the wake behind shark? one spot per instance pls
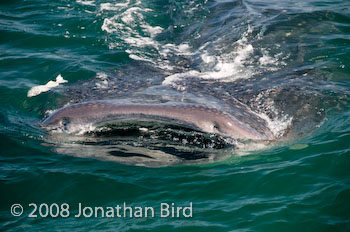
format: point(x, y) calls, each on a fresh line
point(205, 119)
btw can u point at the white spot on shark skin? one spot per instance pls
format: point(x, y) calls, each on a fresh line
point(230, 124)
point(36, 90)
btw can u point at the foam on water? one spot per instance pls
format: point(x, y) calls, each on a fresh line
point(113, 6)
point(278, 126)
point(243, 62)
point(132, 30)
point(86, 2)
point(79, 129)
point(129, 29)
point(102, 82)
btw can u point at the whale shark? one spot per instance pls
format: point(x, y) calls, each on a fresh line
point(202, 118)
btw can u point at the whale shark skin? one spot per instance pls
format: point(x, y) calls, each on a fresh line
point(205, 119)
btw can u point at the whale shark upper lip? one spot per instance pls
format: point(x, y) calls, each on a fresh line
point(204, 118)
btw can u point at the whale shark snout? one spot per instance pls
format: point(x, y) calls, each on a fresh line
point(205, 119)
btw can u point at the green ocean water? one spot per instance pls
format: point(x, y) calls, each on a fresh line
point(288, 61)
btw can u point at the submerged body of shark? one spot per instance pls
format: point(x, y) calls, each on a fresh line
point(205, 119)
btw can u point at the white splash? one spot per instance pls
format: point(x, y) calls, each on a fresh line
point(103, 81)
point(86, 2)
point(222, 69)
point(172, 79)
point(278, 125)
point(113, 7)
point(36, 90)
point(76, 129)
point(223, 64)
point(132, 30)
point(81, 129)
point(152, 31)
point(102, 76)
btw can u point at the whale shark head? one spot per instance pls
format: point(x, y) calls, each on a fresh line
point(86, 116)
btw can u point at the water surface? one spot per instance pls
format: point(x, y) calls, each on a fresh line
point(288, 62)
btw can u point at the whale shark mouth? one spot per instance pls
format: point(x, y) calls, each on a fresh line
point(150, 134)
point(84, 117)
point(162, 132)
point(145, 143)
